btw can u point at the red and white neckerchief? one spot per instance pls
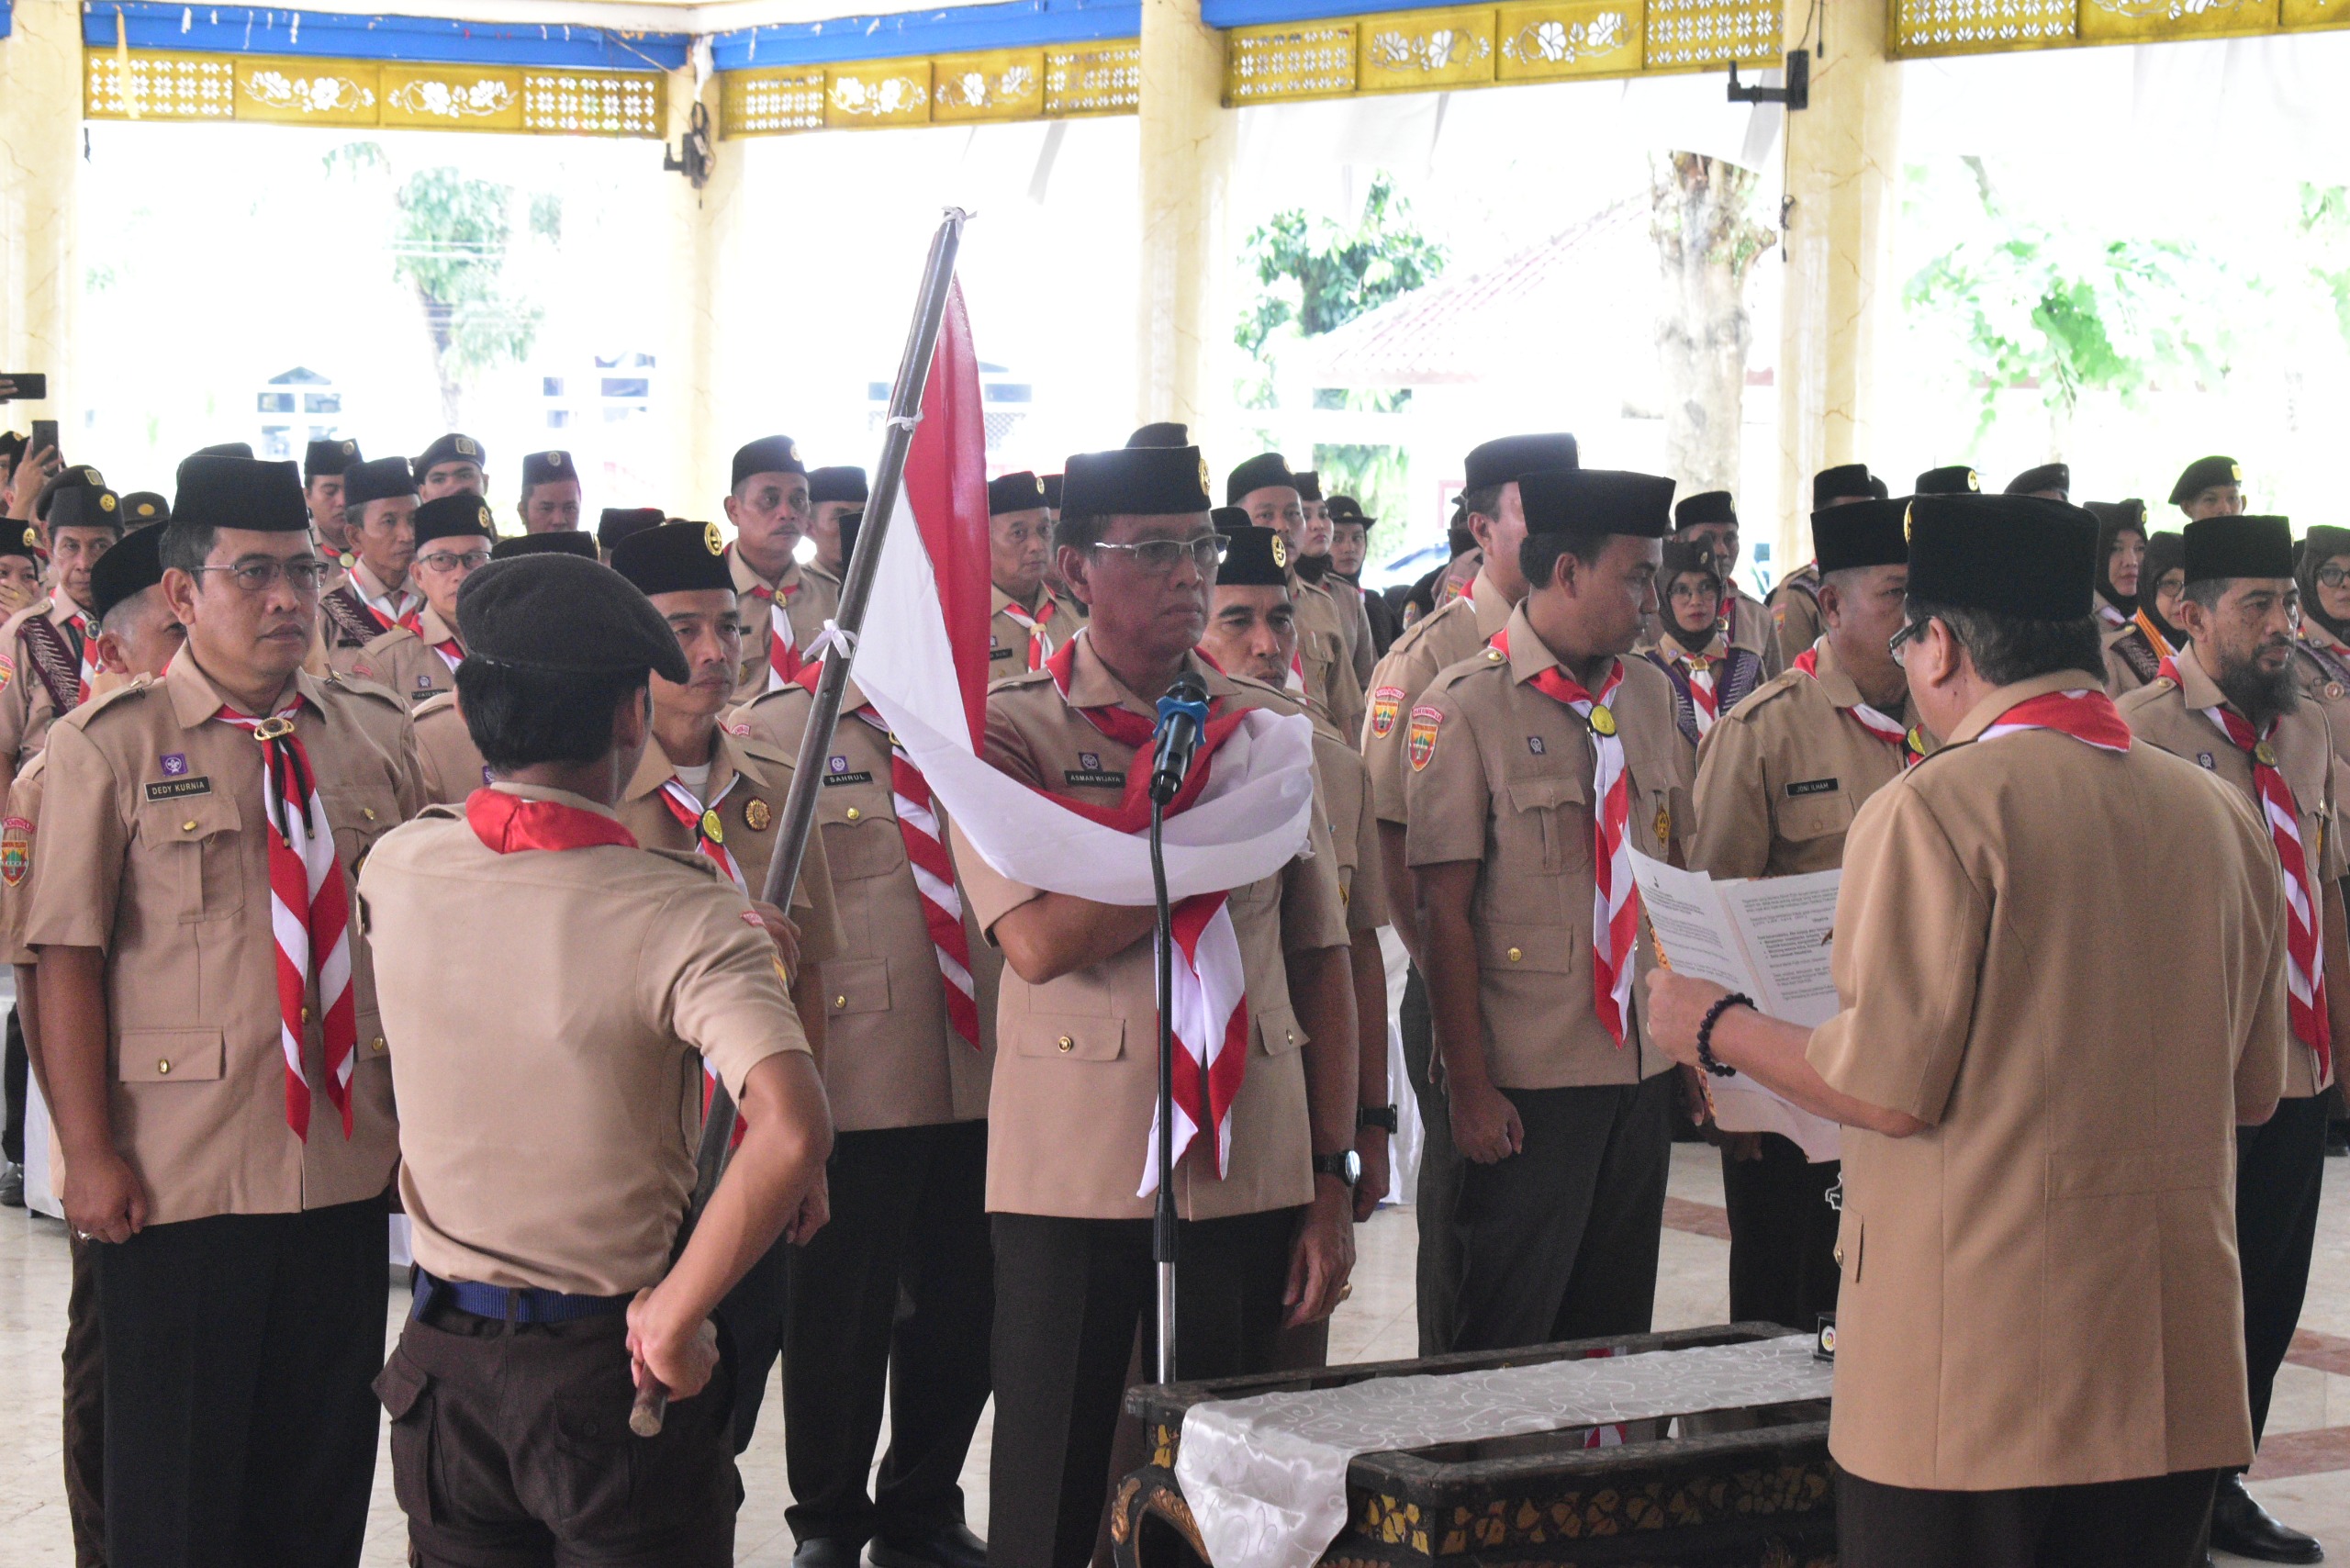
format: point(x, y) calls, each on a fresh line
point(1208, 1011)
point(1040, 642)
point(2109, 616)
point(1613, 911)
point(309, 915)
point(399, 607)
point(2085, 714)
point(1699, 668)
point(704, 822)
point(1882, 725)
point(507, 823)
point(784, 662)
point(85, 638)
point(2304, 949)
point(451, 652)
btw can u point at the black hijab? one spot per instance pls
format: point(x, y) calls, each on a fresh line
point(2164, 553)
point(2115, 519)
point(2322, 545)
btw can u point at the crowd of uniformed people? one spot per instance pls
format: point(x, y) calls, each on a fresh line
point(328, 889)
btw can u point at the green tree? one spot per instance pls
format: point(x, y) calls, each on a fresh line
point(451, 247)
point(2325, 227)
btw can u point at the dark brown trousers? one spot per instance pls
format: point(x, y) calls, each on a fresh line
point(2154, 1522)
point(511, 1449)
point(85, 1410)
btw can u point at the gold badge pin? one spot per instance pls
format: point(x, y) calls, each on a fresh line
point(32, 536)
point(756, 815)
point(487, 522)
point(106, 502)
point(1280, 553)
point(1204, 475)
point(1663, 824)
point(2235, 471)
point(1908, 512)
point(712, 828)
point(465, 448)
point(1603, 722)
point(349, 447)
point(2265, 755)
point(1973, 481)
point(714, 539)
point(554, 459)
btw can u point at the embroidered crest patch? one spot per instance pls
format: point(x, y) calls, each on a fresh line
point(16, 849)
point(1386, 702)
point(1419, 740)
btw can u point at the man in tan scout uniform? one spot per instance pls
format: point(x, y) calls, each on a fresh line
point(1795, 603)
point(47, 651)
point(1779, 779)
point(2232, 701)
point(556, 992)
point(136, 637)
point(1313, 564)
point(1024, 627)
point(1457, 629)
point(1534, 770)
point(909, 1025)
point(379, 514)
point(417, 663)
point(550, 498)
point(2039, 1335)
point(324, 463)
point(768, 507)
point(232, 1151)
point(836, 499)
point(1265, 488)
point(697, 789)
point(1076, 1078)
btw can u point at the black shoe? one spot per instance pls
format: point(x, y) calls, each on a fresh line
point(949, 1546)
point(826, 1552)
point(2242, 1526)
point(2337, 1140)
point(12, 1184)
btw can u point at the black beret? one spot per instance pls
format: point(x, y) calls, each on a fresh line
point(145, 509)
point(1596, 500)
point(2222, 547)
point(70, 497)
point(21, 539)
point(1346, 509)
point(12, 445)
point(1499, 462)
point(227, 449)
point(558, 614)
point(378, 481)
point(1705, 507)
point(1861, 534)
point(1141, 481)
point(1679, 558)
point(239, 492)
point(837, 484)
point(2025, 556)
point(2047, 476)
point(447, 516)
point(2201, 475)
point(676, 558)
point(1052, 482)
point(451, 448)
point(618, 522)
point(768, 455)
point(562, 540)
point(328, 457)
point(1846, 481)
point(130, 567)
point(1253, 557)
point(1164, 433)
point(1957, 479)
point(1266, 470)
point(1015, 492)
point(1309, 485)
point(546, 467)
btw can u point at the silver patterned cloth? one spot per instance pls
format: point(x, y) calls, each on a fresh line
point(1266, 1478)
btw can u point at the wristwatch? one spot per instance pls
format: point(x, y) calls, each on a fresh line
point(1376, 1116)
point(1346, 1167)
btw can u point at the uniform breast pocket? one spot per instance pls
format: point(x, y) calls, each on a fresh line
point(199, 840)
point(1814, 816)
point(856, 985)
point(170, 1056)
point(1277, 1031)
point(1547, 817)
point(361, 814)
point(1069, 1036)
point(867, 846)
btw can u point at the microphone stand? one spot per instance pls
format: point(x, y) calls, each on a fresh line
point(1162, 1234)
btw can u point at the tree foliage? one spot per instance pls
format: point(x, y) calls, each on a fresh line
point(2325, 229)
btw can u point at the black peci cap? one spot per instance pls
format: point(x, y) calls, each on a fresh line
point(78, 498)
point(546, 467)
point(378, 481)
point(561, 542)
point(323, 458)
point(618, 522)
point(2201, 475)
point(463, 514)
point(134, 565)
point(2222, 547)
point(676, 558)
point(2047, 476)
point(1508, 457)
point(1957, 479)
point(837, 484)
point(1845, 482)
point(1253, 556)
point(558, 614)
point(1015, 492)
point(1861, 534)
point(1166, 432)
point(2025, 556)
point(1142, 481)
point(145, 509)
point(12, 445)
point(1052, 482)
point(1596, 500)
point(239, 492)
point(1704, 507)
point(1266, 470)
point(768, 455)
point(21, 539)
point(451, 448)
point(227, 449)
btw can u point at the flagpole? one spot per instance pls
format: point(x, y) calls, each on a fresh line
point(816, 740)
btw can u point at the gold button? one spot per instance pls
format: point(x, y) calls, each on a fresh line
point(1838, 1255)
point(1291, 1035)
point(854, 814)
point(187, 826)
point(164, 1067)
point(367, 811)
point(305, 1015)
point(840, 1002)
point(377, 1045)
point(1515, 954)
point(1067, 1043)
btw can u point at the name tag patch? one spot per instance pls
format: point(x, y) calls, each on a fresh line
point(848, 778)
point(1093, 778)
point(179, 789)
point(1002, 653)
point(1812, 787)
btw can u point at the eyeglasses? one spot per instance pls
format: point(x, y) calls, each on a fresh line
point(2334, 577)
point(1693, 592)
point(303, 573)
point(1899, 647)
point(442, 561)
point(1159, 555)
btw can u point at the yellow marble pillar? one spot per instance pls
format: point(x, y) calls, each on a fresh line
point(1843, 172)
point(1189, 144)
point(41, 159)
point(705, 228)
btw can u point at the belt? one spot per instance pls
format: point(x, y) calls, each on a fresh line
point(511, 1303)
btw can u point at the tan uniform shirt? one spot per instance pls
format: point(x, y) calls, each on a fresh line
point(550, 1011)
point(451, 764)
point(808, 602)
point(2126, 649)
point(1795, 624)
point(157, 852)
point(1779, 776)
point(2172, 717)
point(2324, 661)
point(1456, 631)
point(2041, 1289)
point(27, 710)
point(1322, 651)
point(1507, 782)
point(19, 838)
point(1354, 832)
point(1008, 640)
point(1753, 627)
point(890, 1058)
point(1077, 1058)
point(410, 666)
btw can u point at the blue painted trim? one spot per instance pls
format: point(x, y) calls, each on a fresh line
point(7, 18)
point(243, 29)
point(1264, 13)
point(1015, 24)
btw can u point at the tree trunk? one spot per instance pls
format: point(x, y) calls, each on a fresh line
point(1706, 245)
point(437, 318)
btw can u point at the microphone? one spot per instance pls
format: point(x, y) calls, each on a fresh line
point(1182, 716)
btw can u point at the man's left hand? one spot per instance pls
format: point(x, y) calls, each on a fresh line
point(1322, 1255)
point(1676, 1006)
point(785, 932)
point(1371, 1143)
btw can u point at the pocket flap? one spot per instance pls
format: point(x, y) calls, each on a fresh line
point(856, 985)
point(1814, 816)
point(399, 1386)
point(870, 846)
point(1079, 1037)
point(1278, 1032)
point(187, 819)
point(1538, 792)
point(169, 1055)
point(1546, 949)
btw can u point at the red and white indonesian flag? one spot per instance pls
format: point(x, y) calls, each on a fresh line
point(923, 662)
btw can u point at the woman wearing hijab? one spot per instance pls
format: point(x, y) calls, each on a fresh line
point(1709, 675)
point(2120, 552)
point(2134, 653)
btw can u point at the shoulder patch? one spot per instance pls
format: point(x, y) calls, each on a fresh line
point(16, 849)
point(1419, 739)
point(1386, 704)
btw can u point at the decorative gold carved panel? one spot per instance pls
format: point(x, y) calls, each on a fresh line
point(1542, 43)
point(1415, 51)
point(307, 92)
point(1094, 79)
point(771, 100)
point(158, 87)
point(997, 84)
point(1694, 35)
point(1958, 27)
point(452, 97)
point(883, 92)
point(2147, 21)
point(596, 103)
point(1297, 59)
